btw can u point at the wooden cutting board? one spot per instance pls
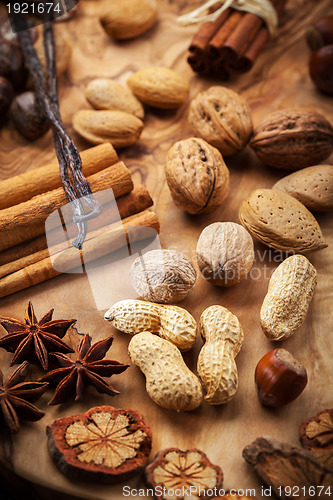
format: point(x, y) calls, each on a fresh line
point(279, 79)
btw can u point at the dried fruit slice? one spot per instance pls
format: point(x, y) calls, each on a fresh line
point(189, 471)
point(103, 444)
point(317, 436)
point(281, 465)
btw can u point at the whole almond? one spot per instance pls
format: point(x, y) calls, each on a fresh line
point(159, 87)
point(280, 221)
point(128, 18)
point(120, 128)
point(104, 93)
point(312, 186)
point(289, 294)
point(293, 139)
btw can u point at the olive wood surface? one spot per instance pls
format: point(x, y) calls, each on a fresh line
point(278, 80)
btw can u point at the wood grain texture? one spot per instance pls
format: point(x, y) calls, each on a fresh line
point(279, 79)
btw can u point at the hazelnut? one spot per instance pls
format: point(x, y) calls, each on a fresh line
point(279, 378)
point(28, 116)
point(6, 95)
point(321, 69)
point(320, 33)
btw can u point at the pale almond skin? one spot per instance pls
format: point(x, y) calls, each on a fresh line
point(289, 294)
point(128, 19)
point(159, 87)
point(225, 253)
point(120, 128)
point(197, 176)
point(104, 93)
point(280, 221)
point(223, 336)
point(223, 118)
point(172, 323)
point(169, 382)
point(312, 186)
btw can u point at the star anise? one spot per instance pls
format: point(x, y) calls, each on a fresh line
point(16, 396)
point(88, 369)
point(33, 340)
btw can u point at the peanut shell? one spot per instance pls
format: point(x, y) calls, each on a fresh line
point(120, 128)
point(293, 139)
point(197, 176)
point(289, 294)
point(312, 186)
point(280, 221)
point(159, 87)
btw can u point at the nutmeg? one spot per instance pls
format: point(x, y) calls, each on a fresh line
point(320, 33)
point(6, 96)
point(28, 116)
point(321, 69)
point(279, 378)
point(12, 64)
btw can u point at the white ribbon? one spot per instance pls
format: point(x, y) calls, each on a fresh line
point(261, 8)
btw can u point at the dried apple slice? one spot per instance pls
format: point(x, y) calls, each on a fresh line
point(317, 436)
point(183, 474)
point(103, 444)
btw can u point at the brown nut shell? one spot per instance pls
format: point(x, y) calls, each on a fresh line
point(28, 116)
point(293, 139)
point(280, 221)
point(128, 18)
point(197, 176)
point(279, 378)
point(174, 469)
point(223, 118)
point(104, 444)
point(312, 186)
point(316, 435)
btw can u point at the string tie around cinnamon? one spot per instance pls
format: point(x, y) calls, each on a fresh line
point(261, 8)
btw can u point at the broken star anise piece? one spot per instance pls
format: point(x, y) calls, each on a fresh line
point(189, 471)
point(16, 396)
point(33, 340)
point(283, 466)
point(103, 444)
point(88, 369)
point(317, 436)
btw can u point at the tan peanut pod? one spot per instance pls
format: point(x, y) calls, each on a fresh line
point(172, 323)
point(289, 294)
point(216, 366)
point(280, 221)
point(169, 382)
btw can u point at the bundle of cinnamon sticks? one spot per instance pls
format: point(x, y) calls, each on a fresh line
point(230, 44)
point(27, 200)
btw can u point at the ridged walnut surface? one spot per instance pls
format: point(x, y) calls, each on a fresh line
point(169, 322)
point(280, 221)
point(217, 369)
point(290, 292)
point(164, 276)
point(169, 382)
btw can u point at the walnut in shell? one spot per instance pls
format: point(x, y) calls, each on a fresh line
point(104, 444)
point(164, 276)
point(223, 118)
point(317, 437)
point(293, 139)
point(190, 470)
point(197, 176)
point(225, 253)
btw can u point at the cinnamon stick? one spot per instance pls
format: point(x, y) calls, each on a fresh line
point(27, 220)
point(129, 204)
point(135, 228)
point(215, 44)
point(23, 187)
point(206, 33)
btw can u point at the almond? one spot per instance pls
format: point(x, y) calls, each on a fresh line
point(104, 93)
point(280, 221)
point(312, 186)
point(128, 18)
point(120, 128)
point(159, 87)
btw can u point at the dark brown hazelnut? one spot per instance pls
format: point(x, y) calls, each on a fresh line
point(321, 68)
point(12, 65)
point(320, 33)
point(279, 378)
point(6, 96)
point(28, 116)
